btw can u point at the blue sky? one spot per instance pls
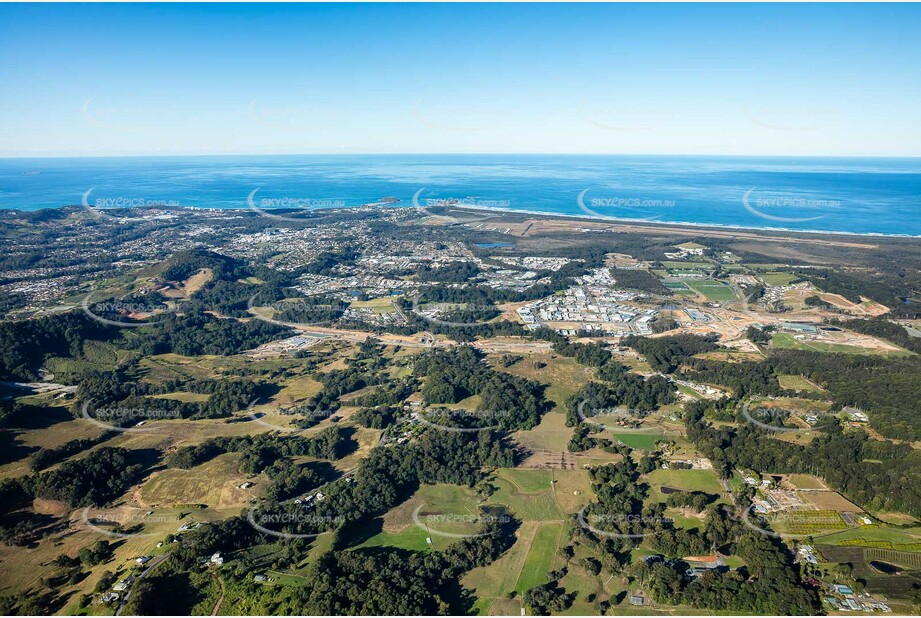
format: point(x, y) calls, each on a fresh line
point(780, 79)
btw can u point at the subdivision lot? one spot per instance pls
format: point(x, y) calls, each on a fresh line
point(830, 500)
point(776, 278)
point(798, 383)
point(684, 480)
point(790, 342)
point(540, 558)
point(214, 483)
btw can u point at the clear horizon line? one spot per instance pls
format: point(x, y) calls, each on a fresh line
point(450, 154)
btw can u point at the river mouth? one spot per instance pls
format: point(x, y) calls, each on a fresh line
point(885, 568)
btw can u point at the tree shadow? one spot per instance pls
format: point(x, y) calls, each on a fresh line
point(11, 447)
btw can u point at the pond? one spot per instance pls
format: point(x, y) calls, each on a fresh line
point(885, 567)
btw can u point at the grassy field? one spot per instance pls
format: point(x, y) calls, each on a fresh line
point(540, 558)
point(528, 480)
point(796, 404)
point(495, 582)
point(450, 509)
point(731, 356)
point(377, 305)
point(898, 519)
point(830, 500)
point(500, 585)
point(583, 584)
point(805, 481)
point(713, 290)
point(561, 375)
point(412, 538)
point(798, 383)
point(572, 489)
point(786, 341)
point(214, 483)
point(183, 396)
point(51, 428)
point(775, 279)
point(687, 480)
point(518, 490)
point(688, 265)
point(882, 536)
point(684, 272)
point(642, 441)
point(551, 434)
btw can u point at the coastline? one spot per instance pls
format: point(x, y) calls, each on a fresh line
point(717, 226)
point(536, 213)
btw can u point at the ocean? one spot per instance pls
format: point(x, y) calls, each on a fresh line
point(853, 195)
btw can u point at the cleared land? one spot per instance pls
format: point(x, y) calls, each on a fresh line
point(686, 480)
point(790, 342)
point(540, 557)
point(798, 383)
point(215, 483)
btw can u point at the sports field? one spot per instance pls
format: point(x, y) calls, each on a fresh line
point(642, 441)
point(688, 265)
point(713, 290)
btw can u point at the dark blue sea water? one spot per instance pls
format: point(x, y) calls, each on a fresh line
point(881, 196)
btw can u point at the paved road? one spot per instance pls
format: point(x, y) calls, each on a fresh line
point(150, 567)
